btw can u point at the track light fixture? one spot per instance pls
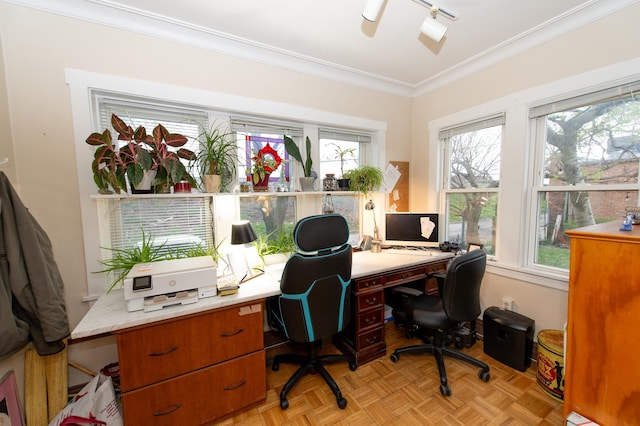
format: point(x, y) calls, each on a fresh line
point(372, 9)
point(430, 27)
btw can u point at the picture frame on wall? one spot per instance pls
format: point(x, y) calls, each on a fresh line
point(10, 413)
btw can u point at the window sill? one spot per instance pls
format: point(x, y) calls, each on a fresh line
point(546, 278)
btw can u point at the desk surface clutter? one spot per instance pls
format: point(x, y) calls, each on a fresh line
point(109, 313)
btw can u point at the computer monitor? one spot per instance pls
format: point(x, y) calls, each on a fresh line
point(411, 229)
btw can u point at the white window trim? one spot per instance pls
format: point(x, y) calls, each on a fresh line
point(81, 82)
point(516, 218)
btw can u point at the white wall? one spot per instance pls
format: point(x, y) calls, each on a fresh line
point(35, 105)
point(577, 59)
point(36, 128)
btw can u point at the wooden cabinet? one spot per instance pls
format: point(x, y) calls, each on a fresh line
point(602, 357)
point(193, 369)
point(364, 336)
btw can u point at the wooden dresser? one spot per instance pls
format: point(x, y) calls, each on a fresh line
point(364, 336)
point(193, 369)
point(602, 357)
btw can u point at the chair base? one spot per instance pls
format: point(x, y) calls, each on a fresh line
point(310, 364)
point(438, 350)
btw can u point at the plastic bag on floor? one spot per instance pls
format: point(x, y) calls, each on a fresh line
point(95, 404)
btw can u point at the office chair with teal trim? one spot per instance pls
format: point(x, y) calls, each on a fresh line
point(314, 304)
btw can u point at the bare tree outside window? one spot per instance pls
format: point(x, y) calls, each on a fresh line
point(590, 173)
point(473, 181)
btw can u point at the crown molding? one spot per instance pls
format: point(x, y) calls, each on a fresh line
point(105, 12)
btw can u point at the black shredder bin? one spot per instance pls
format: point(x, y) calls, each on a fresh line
point(508, 337)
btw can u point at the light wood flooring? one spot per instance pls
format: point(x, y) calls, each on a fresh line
point(407, 393)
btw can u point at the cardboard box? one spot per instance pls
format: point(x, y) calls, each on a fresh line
point(575, 419)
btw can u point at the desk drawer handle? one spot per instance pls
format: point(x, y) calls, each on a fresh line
point(371, 320)
point(169, 411)
point(241, 384)
point(238, 331)
point(373, 339)
point(167, 352)
point(371, 301)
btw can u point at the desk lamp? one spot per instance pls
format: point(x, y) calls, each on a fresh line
point(244, 268)
point(242, 233)
point(375, 243)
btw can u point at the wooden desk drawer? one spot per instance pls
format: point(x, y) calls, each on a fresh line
point(201, 396)
point(369, 283)
point(370, 319)
point(369, 301)
point(168, 349)
point(370, 338)
point(407, 276)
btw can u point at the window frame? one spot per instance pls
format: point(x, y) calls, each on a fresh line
point(516, 218)
point(219, 105)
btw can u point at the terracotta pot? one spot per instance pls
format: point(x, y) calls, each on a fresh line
point(211, 183)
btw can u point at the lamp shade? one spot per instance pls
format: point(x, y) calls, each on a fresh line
point(433, 29)
point(372, 10)
point(242, 233)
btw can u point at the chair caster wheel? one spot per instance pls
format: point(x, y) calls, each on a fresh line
point(445, 390)
point(275, 367)
point(484, 375)
point(394, 357)
point(353, 366)
point(342, 403)
point(284, 404)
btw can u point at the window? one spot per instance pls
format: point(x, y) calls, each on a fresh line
point(472, 180)
point(178, 223)
point(589, 148)
point(341, 151)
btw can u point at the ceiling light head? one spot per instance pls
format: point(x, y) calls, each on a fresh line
point(432, 28)
point(372, 9)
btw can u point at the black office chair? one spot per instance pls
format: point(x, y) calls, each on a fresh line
point(314, 304)
point(439, 320)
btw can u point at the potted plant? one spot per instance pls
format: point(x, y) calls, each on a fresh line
point(216, 159)
point(107, 166)
point(341, 153)
point(306, 182)
point(265, 162)
point(170, 169)
point(275, 250)
point(138, 163)
point(365, 179)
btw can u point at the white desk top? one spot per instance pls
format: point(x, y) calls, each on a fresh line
point(110, 314)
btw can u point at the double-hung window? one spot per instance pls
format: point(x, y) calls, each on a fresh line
point(471, 180)
point(176, 222)
point(588, 148)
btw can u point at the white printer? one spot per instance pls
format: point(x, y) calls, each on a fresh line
point(154, 285)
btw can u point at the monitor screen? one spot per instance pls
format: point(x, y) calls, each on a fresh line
point(411, 229)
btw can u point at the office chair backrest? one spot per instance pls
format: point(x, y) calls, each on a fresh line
point(315, 283)
point(461, 289)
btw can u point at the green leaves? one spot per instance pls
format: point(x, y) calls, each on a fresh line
point(294, 151)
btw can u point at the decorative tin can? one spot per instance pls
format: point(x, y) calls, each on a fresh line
point(551, 362)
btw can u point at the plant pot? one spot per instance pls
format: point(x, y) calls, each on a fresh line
point(182, 186)
point(306, 183)
point(343, 184)
point(144, 187)
point(262, 185)
point(211, 183)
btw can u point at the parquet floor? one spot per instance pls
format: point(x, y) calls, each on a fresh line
point(407, 393)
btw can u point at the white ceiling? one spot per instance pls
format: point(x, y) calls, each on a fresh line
point(331, 39)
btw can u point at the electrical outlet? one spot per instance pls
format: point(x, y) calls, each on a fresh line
point(507, 304)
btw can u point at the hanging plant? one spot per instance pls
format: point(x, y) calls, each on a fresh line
point(265, 162)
